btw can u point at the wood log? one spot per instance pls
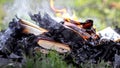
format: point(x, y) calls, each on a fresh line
point(57, 30)
point(47, 44)
point(62, 48)
point(31, 28)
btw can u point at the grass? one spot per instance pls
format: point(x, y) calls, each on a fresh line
point(2, 13)
point(54, 60)
point(51, 60)
point(102, 64)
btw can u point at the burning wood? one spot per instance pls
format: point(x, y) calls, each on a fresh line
point(78, 39)
point(48, 23)
point(81, 41)
point(56, 29)
point(85, 29)
point(34, 29)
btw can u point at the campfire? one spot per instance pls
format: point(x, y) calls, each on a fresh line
point(78, 40)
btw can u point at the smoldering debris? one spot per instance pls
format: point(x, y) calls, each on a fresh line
point(14, 43)
point(17, 41)
point(82, 50)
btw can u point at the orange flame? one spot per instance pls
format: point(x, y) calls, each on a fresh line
point(63, 13)
point(56, 10)
point(72, 21)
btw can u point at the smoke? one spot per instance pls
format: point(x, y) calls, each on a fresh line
point(22, 8)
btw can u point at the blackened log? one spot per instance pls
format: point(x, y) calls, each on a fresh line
point(57, 31)
point(45, 21)
point(117, 61)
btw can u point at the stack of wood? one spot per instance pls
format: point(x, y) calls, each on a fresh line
point(78, 39)
point(59, 36)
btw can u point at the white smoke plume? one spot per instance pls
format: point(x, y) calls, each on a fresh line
point(21, 8)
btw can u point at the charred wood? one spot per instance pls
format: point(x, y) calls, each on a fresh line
point(57, 31)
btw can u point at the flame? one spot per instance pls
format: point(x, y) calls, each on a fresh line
point(72, 21)
point(56, 10)
point(62, 13)
point(115, 5)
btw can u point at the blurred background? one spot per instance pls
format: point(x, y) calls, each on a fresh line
point(104, 12)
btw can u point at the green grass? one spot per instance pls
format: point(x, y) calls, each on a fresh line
point(54, 60)
point(102, 64)
point(2, 12)
point(51, 60)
